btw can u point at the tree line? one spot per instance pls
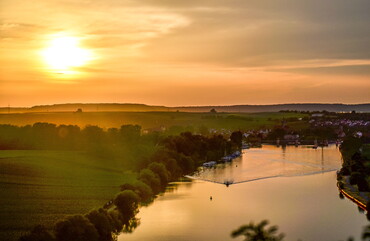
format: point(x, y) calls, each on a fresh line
point(162, 159)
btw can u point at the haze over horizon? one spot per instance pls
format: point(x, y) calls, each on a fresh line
point(184, 53)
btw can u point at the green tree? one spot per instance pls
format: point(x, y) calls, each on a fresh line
point(140, 188)
point(150, 178)
point(76, 228)
point(38, 233)
point(127, 203)
point(237, 137)
point(161, 171)
point(258, 232)
point(102, 223)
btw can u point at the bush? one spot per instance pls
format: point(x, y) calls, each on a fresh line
point(102, 223)
point(115, 219)
point(38, 233)
point(140, 188)
point(127, 203)
point(161, 171)
point(363, 185)
point(354, 178)
point(150, 178)
point(76, 228)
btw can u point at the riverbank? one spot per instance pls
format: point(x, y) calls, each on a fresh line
point(176, 156)
point(353, 178)
point(353, 194)
point(189, 207)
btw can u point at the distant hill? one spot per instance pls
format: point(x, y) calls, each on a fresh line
point(279, 107)
point(86, 107)
point(116, 107)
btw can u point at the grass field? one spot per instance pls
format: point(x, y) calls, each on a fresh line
point(152, 119)
point(40, 187)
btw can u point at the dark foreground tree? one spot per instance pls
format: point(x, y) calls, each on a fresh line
point(258, 232)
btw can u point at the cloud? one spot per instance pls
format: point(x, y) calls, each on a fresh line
point(256, 33)
point(256, 51)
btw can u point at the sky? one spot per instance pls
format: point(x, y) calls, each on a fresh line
point(193, 52)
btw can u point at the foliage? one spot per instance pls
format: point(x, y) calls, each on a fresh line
point(103, 223)
point(38, 233)
point(258, 232)
point(151, 179)
point(141, 189)
point(77, 228)
point(127, 203)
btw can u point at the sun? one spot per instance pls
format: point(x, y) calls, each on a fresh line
point(64, 54)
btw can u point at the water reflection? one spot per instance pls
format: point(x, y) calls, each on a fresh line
point(305, 207)
point(269, 162)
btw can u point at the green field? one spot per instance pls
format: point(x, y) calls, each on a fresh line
point(40, 187)
point(153, 119)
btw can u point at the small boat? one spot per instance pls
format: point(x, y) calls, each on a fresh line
point(228, 182)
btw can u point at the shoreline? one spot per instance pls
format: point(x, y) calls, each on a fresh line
point(351, 197)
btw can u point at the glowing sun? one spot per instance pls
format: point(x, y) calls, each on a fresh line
point(64, 53)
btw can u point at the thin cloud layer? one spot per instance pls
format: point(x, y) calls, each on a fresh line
point(190, 52)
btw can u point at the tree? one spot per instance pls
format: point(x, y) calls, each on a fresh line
point(130, 133)
point(213, 111)
point(38, 233)
point(258, 232)
point(237, 137)
point(102, 223)
point(161, 171)
point(150, 178)
point(76, 228)
point(140, 188)
point(127, 203)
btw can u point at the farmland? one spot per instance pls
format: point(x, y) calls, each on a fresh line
point(148, 120)
point(40, 187)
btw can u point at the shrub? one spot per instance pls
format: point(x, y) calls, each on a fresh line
point(127, 203)
point(102, 223)
point(161, 171)
point(38, 233)
point(150, 178)
point(76, 228)
point(140, 188)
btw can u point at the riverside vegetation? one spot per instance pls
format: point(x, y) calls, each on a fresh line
point(153, 160)
point(354, 176)
point(59, 170)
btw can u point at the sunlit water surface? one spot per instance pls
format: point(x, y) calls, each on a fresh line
point(270, 183)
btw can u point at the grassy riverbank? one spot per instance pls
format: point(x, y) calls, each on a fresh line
point(354, 177)
point(40, 186)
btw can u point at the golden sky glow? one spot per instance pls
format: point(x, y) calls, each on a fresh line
point(184, 52)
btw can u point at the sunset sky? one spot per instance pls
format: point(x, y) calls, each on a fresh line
point(177, 52)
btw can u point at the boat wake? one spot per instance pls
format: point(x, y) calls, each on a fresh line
point(231, 181)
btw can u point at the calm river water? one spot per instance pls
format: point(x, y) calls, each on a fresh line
point(293, 187)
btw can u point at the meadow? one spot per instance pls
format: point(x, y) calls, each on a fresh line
point(41, 187)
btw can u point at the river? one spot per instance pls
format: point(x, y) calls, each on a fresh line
point(293, 187)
